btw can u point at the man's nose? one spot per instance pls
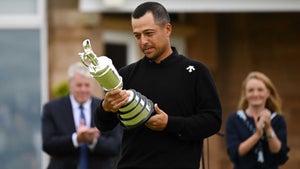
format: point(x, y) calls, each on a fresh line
point(144, 39)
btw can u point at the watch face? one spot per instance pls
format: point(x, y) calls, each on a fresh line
point(271, 136)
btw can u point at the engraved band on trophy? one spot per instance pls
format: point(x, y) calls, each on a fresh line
point(138, 109)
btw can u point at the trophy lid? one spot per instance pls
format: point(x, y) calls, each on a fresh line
point(104, 64)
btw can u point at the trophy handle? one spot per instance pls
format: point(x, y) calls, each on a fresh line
point(88, 54)
point(83, 59)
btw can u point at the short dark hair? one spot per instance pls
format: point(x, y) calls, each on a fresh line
point(159, 12)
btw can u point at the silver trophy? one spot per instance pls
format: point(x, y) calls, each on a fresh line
point(138, 109)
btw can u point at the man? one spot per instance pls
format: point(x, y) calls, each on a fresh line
point(187, 106)
point(69, 134)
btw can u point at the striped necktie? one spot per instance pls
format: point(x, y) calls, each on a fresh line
point(83, 161)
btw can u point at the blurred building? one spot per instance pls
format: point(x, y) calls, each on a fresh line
point(39, 39)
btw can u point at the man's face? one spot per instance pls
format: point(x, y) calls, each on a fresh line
point(153, 39)
point(81, 88)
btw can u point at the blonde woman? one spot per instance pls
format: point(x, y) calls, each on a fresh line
point(256, 135)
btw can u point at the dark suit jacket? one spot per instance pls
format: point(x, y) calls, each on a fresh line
point(57, 129)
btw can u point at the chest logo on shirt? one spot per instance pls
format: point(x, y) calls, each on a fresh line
point(190, 68)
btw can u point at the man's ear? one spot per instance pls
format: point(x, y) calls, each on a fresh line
point(168, 28)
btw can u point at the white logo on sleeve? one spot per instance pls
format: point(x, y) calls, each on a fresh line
point(190, 68)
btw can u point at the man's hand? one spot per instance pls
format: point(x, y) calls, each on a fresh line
point(91, 134)
point(158, 121)
point(115, 99)
point(86, 134)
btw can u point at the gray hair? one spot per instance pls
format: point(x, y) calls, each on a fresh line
point(78, 67)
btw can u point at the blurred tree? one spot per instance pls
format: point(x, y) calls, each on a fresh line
point(60, 89)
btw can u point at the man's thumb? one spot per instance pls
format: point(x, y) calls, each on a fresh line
point(156, 108)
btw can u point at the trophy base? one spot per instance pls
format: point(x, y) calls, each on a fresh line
point(136, 112)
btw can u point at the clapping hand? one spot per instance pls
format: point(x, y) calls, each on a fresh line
point(86, 134)
point(264, 122)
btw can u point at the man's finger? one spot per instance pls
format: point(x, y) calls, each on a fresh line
point(157, 109)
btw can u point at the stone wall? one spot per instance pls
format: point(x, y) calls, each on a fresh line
point(67, 29)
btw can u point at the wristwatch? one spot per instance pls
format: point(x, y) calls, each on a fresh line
point(270, 137)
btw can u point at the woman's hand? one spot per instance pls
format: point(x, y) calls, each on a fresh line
point(267, 118)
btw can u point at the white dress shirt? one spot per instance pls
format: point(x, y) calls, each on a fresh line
point(76, 116)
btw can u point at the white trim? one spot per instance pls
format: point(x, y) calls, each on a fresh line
point(197, 5)
point(25, 21)
point(28, 21)
point(43, 25)
point(44, 51)
point(241, 114)
point(273, 115)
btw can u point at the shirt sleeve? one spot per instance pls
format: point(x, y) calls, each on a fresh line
point(74, 140)
point(279, 126)
point(105, 121)
point(232, 138)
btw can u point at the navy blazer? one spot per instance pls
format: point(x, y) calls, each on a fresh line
point(237, 131)
point(57, 129)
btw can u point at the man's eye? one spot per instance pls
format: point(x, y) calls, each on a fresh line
point(137, 36)
point(149, 33)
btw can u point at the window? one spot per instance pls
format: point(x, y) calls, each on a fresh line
point(22, 81)
point(117, 53)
